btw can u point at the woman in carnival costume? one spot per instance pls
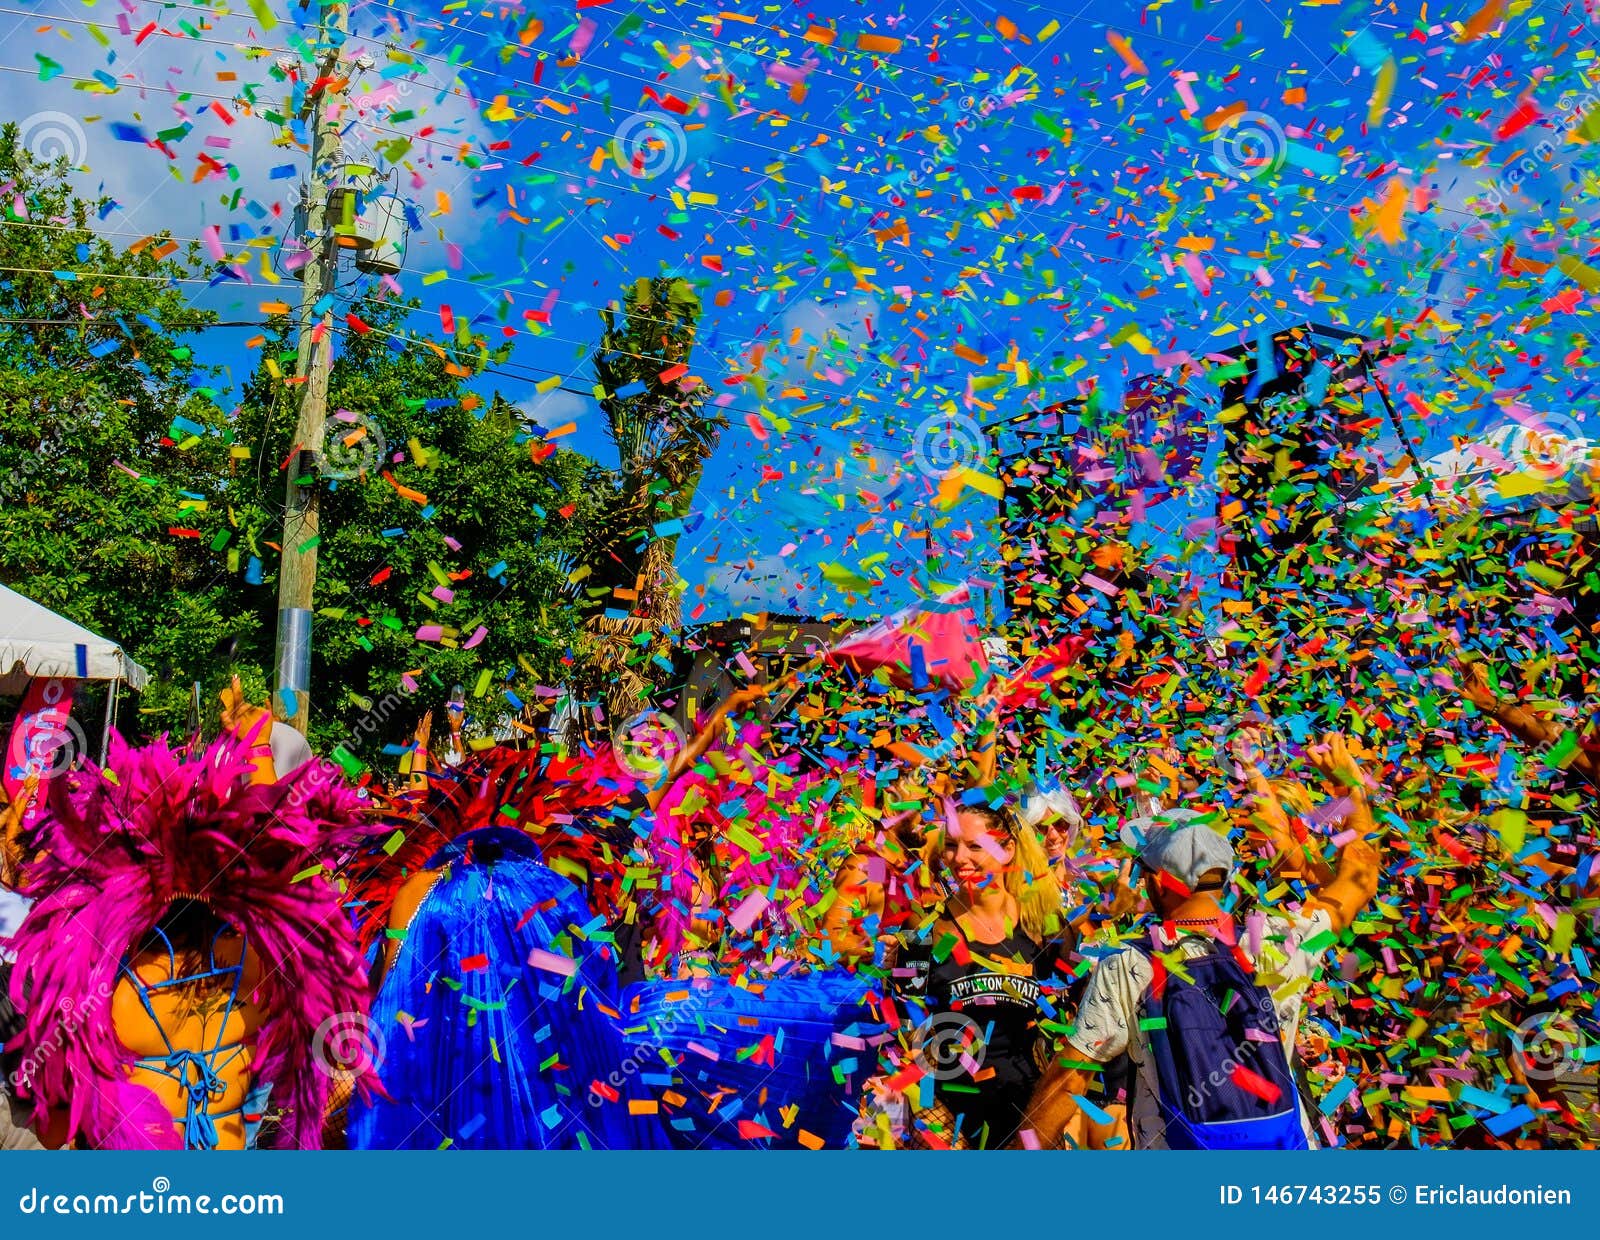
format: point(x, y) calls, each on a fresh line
point(503, 926)
point(184, 917)
point(784, 880)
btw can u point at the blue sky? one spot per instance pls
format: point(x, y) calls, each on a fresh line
point(900, 219)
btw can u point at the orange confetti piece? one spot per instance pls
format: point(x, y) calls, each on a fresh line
point(1388, 217)
point(1481, 22)
point(1222, 116)
point(404, 492)
point(1124, 49)
point(822, 35)
point(878, 43)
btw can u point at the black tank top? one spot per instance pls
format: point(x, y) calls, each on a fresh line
point(997, 987)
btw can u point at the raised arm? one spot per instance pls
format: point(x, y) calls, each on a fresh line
point(1534, 728)
point(1355, 882)
point(702, 740)
point(252, 724)
point(1269, 818)
point(418, 777)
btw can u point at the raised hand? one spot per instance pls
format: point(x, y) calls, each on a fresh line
point(243, 718)
point(1336, 763)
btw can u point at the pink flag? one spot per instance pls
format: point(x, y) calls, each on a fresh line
point(44, 740)
point(931, 643)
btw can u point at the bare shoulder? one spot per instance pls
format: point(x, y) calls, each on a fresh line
point(410, 897)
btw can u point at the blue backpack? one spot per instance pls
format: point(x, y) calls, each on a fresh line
point(1225, 1081)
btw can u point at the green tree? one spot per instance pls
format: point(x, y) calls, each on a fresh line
point(664, 432)
point(110, 439)
point(440, 510)
point(132, 504)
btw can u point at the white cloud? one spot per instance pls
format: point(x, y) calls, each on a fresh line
point(553, 409)
point(241, 197)
point(766, 582)
point(816, 328)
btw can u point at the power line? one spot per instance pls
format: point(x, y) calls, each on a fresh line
point(104, 323)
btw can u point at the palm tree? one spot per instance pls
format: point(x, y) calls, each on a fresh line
point(664, 436)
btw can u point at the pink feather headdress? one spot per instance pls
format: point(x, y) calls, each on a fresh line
point(117, 847)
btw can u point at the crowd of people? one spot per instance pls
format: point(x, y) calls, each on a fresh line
point(769, 936)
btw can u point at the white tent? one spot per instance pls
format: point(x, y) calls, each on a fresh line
point(1512, 466)
point(34, 641)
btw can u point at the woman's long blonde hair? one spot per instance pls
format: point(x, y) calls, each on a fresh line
point(1029, 878)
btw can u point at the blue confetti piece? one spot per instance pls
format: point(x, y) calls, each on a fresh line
point(1336, 1096)
point(1513, 1119)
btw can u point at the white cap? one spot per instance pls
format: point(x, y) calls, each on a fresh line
point(290, 750)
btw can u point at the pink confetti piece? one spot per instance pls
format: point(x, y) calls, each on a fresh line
point(751, 907)
point(550, 962)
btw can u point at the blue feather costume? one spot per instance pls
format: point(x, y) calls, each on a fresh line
point(755, 1066)
point(483, 1048)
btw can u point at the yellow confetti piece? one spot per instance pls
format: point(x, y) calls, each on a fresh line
point(1586, 276)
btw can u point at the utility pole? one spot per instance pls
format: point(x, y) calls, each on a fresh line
point(298, 573)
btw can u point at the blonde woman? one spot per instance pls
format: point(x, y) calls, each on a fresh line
point(974, 978)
